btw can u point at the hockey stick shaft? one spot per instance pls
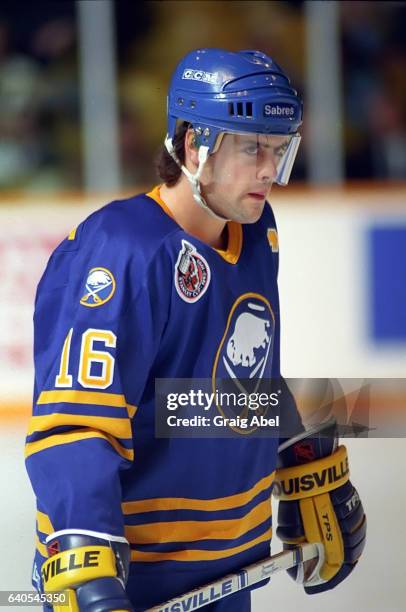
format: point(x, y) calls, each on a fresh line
point(232, 583)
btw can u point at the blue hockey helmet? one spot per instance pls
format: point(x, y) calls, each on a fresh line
point(219, 91)
point(224, 91)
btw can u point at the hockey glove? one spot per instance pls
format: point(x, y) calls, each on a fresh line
point(92, 569)
point(318, 503)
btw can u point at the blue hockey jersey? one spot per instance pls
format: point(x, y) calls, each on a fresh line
point(127, 298)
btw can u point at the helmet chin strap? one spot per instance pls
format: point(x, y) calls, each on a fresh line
point(194, 178)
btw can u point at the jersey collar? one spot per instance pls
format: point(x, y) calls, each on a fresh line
point(234, 245)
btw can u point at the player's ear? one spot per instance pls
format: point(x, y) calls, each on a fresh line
point(191, 148)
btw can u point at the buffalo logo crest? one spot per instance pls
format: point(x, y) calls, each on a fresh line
point(246, 348)
point(244, 357)
point(100, 286)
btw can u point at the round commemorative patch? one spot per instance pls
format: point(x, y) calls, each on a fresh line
point(192, 273)
point(99, 287)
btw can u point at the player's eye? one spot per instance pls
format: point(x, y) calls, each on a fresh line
point(251, 149)
point(280, 151)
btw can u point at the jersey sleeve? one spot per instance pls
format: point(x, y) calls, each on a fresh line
point(290, 418)
point(80, 432)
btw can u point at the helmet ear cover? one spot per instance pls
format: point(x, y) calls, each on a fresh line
point(197, 142)
point(186, 127)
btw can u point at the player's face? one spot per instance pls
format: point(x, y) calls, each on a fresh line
point(238, 178)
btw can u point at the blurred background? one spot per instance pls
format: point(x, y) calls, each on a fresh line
point(50, 56)
point(83, 99)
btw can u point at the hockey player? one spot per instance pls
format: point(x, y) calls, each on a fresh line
point(180, 282)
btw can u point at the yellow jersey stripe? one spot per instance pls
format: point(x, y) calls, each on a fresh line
point(120, 428)
point(41, 548)
point(185, 503)
point(197, 555)
point(44, 524)
point(82, 397)
point(76, 436)
point(72, 234)
point(192, 531)
point(131, 410)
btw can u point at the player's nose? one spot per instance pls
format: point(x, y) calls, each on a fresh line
point(266, 168)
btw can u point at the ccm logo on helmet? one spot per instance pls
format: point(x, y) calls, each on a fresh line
point(200, 75)
point(279, 110)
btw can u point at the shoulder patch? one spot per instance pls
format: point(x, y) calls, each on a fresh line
point(99, 287)
point(272, 236)
point(192, 273)
point(72, 234)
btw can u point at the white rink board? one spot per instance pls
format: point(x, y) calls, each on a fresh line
point(29, 235)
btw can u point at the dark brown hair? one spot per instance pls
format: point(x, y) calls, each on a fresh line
point(166, 167)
